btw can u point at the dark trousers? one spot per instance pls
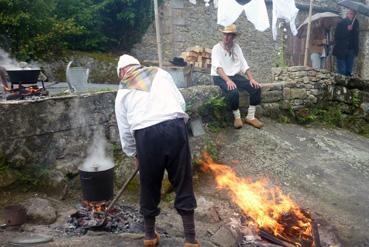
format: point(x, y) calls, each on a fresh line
point(232, 96)
point(345, 64)
point(161, 147)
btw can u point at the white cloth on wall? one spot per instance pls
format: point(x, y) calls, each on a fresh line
point(285, 9)
point(256, 12)
point(193, 1)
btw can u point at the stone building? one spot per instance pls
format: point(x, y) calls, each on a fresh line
point(185, 25)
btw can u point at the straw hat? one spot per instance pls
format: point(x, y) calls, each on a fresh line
point(230, 29)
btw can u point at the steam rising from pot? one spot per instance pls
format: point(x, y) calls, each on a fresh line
point(97, 160)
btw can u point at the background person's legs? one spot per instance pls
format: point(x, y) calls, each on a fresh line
point(341, 66)
point(349, 60)
point(315, 60)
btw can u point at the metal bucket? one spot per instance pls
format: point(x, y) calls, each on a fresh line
point(14, 215)
point(97, 186)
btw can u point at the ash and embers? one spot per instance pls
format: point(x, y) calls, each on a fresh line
point(120, 219)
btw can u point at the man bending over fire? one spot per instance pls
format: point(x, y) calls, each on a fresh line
point(151, 117)
point(228, 69)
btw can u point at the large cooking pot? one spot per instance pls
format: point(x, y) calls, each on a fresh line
point(23, 76)
point(97, 185)
point(14, 215)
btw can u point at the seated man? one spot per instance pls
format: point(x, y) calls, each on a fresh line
point(227, 65)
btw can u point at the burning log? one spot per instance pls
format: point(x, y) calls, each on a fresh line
point(271, 238)
point(275, 213)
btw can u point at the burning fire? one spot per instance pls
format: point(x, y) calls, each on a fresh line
point(267, 206)
point(95, 207)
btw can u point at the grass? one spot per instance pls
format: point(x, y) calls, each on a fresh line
point(330, 116)
point(215, 112)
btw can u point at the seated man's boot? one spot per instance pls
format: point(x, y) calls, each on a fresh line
point(254, 122)
point(237, 123)
point(152, 242)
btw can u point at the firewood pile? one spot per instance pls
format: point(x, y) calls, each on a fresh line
point(199, 57)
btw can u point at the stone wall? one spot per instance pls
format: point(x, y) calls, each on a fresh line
point(298, 87)
point(56, 132)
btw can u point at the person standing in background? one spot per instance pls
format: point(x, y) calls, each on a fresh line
point(346, 46)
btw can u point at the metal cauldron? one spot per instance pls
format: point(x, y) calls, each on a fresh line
point(23, 76)
point(97, 185)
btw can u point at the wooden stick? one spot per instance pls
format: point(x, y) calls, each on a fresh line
point(307, 44)
point(158, 37)
point(268, 236)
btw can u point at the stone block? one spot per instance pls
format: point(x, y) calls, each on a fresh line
point(298, 93)
point(273, 86)
point(271, 96)
point(298, 74)
point(312, 99)
point(306, 79)
point(290, 84)
point(285, 105)
point(297, 104)
point(271, 110)
point(224, 237)
point(286, 93)
point(358, 83)
point(298, 68)
point(365, 96)
point(340, 80)
point(276, 71)
point(312, 73)
point(39, 211)
point(323, 75)
point(314, 92)
point(365, 108)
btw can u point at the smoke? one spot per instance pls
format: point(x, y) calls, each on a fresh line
point(11, 64)
point(97, 160)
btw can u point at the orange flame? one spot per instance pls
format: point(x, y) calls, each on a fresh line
point(95, 207)
point(267, 206)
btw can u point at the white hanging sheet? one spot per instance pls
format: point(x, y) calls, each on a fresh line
point(256, 12)
point(284, 9)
